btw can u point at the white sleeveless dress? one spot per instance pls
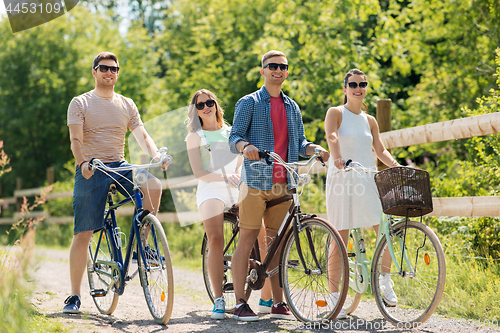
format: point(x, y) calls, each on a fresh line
point(352, 198)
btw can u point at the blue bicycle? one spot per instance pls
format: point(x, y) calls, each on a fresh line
point(108, 269)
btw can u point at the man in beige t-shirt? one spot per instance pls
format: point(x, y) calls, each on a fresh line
point(98, 121)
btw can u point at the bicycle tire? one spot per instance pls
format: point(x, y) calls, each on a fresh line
point(420, 292)
point(351, 301)
point(229, 225)
point(156, 273)
point(308, 295)
point(100, 275)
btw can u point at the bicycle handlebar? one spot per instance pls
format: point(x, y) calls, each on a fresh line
point(349, 166)
point(96, 163)
point(277, 159)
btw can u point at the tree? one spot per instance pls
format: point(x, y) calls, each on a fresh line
point(42, 69)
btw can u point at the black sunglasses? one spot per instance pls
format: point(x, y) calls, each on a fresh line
point(273, 66)
point(354, 85)
point(104, 68)
point(201, 105)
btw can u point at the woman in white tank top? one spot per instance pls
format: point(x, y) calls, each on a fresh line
point(218, 171)
point(351, 198)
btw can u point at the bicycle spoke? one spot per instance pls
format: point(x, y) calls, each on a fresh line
point(307, 289)
point(156, 272)
point(101, 277)
point(419, 283)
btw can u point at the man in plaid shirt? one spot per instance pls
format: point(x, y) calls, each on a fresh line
point(265, 120)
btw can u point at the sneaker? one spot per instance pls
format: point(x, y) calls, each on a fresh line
point(72, 304)
point(219, 311)
point(281, 311)
point(335, 298)
point(388, 293)
point(151, 256)
point(265, 306)
point(244, 313)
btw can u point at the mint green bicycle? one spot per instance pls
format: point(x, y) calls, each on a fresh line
point(408, 255)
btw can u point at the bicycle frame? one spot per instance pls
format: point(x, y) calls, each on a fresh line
point(293, 214)
point(110, 224)
point(361, 261)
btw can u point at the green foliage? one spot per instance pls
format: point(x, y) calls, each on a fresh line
point(43, 69)
point(185, 241)
point(477, 175)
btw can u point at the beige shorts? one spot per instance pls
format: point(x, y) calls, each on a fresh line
point(253, 207)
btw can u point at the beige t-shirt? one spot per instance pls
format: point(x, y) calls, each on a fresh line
point(105, 122)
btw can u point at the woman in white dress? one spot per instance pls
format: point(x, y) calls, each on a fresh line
point(351, 198)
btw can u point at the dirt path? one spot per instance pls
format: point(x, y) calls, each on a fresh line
point(191, 308)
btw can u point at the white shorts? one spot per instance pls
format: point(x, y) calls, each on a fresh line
point(216, 190)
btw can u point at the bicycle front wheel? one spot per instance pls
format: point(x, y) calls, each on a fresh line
point(307, 289)
point(155, 272)
point(101, 274)
point(419, 283)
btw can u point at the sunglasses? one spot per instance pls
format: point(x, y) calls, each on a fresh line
point(273, 66)
point(354, 85)
point(201, 105)
point(104, 68)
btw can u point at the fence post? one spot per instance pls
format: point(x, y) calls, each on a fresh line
point(19, 200)
point(50, 175)
point(384, 122)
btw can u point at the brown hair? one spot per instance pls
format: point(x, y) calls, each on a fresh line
point(270, 54)
point(102, 56)
point(194, 122)
point(352, 72)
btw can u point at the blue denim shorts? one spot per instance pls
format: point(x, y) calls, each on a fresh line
point(89, 195)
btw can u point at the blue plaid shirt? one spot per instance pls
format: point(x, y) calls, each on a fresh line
point(252, 123)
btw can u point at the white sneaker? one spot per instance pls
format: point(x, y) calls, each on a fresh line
point(335, 298)
point(388, 293)
point(219, 311)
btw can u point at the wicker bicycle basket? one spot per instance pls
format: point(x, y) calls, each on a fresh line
point(404, 191)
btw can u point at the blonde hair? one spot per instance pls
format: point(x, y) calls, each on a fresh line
point(194, 122)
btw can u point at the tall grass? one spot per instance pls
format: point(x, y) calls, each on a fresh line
point(17, 314)
point(472, 287)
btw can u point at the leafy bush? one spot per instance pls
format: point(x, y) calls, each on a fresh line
point(477, 175)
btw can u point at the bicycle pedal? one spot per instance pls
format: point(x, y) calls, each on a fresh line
point(98, 293)
point(351, 254)
point(227, 287)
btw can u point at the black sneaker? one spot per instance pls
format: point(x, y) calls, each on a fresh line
point(72, 304)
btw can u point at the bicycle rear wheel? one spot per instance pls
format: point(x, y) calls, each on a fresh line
point(307, 291)
point(100, 274)
point(420, 283)
point(156, 272)
point(229, 228)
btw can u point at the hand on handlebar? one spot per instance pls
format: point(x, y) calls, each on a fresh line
point(251, 152)
point(162, 156)
point(87, 170)
point(323, 155)
point(340, 163)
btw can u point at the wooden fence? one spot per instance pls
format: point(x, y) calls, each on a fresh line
point(442, 131)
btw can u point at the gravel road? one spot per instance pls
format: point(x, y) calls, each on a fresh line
point(192, 308)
